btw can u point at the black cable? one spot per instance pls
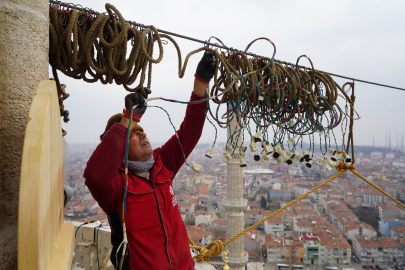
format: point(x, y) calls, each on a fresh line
point(98, 229)
point(132, 23)
point(88, 222)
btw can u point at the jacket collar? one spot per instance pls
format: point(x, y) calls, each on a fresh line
point(158, 172)
point(158, 168)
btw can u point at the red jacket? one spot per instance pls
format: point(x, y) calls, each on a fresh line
point(156, 233)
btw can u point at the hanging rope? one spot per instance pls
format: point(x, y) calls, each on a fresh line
point(94, 48)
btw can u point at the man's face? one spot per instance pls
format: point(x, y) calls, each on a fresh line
point(139, 147)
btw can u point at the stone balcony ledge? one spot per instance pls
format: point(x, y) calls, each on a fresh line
point(242, 260)
point(234, 203)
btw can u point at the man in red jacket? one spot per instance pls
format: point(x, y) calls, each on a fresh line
point(157, 237)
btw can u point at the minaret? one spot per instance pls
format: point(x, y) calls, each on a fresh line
point(397, 142)
point(389, 140)
point(235, 204)
point(373, 140)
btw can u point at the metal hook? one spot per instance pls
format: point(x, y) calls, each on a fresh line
point(65, 15)
point(84, 19)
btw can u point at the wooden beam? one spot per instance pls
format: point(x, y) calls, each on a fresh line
point(45, 241)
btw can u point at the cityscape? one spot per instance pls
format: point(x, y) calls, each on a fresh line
point(346, 223)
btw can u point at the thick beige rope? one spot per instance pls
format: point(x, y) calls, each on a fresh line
point(95, 48)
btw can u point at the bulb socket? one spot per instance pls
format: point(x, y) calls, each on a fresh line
point(227, 157)
point(210, 153)
point(196, 167)
point(332, 151)
point(257, 157)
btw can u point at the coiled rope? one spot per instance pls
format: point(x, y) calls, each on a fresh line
point(95, 48)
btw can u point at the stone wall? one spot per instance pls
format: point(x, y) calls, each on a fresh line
point(23, 64)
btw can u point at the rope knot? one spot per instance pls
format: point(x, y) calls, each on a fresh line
point(343, 167)
point(207, 251)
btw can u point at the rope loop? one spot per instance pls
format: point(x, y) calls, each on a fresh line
point(207, 251)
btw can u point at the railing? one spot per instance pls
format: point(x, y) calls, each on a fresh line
point(93, 246)
point(243, 259)
point(228, 203)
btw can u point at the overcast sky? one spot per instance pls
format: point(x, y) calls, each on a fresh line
point(359, 39)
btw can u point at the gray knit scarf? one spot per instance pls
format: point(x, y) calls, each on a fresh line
point(139, 166)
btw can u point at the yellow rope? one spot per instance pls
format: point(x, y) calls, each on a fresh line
point(106, 262)
point(206, 252)
point(377, 188)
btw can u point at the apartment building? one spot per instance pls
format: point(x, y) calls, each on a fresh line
point(277, 193)
point(275, 248)
point(389, 211)
point(251, 240)
point(313, 251)
point(397, 232)
point(288, 218)
point(350, 226)
point(218, 224)
point(255, 215)
point(203, 218)
point(393, 251)
point(371, 196)
point(188, 208)
point(385, 225)
point(378, 250)
point(275, 225)
point(304, 213)
point(323, 243)
point(293, 251)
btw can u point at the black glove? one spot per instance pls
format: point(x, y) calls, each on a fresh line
point(137, 99)
point(206, 67)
